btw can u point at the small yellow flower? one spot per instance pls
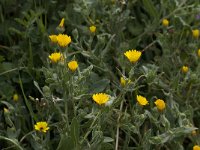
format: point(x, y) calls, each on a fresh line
point(63, 40)
point(133, 55)
point(15, 97)
point(53, 38)
point(195, 33)
point(62, 23)
point(196, 147)
point(184, 69)
point(5, 110)
point(41, 126)
point(55, 57)
point(124, 81)
point(92, 29)
point(142, 100)
point(73, 65)
point(165, 22)
point(100, 98)
point(198, 52)
point(160, 104)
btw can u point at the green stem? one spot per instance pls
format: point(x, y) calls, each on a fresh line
point(12, 141)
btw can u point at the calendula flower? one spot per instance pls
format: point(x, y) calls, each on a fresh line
point(196, 147)
point(198, 52)
point(55, 57)
point(133, 55)
point(41, 126)
point(62, 23)
point(63, 40)
point(160, 104)
point(184, 69)
point(73, 65)
point(124, 81)
point(92, 29)
point(195, 33)
point(142, 100)
point(100, 98)
point(165, 22)
point(53, 38)
point(15, 97)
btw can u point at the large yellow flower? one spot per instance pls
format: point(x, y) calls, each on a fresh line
point(41, 126)
point(160, 104)
point(53, 38)
point(100, 98)
point(73, 65)
point(165, 22)
point(195, 33)
point(92, 29)
point(55, 57)
point(63, 40)
point(62, 23)
point(133, 55)
point(142, 100)
point(196, 147)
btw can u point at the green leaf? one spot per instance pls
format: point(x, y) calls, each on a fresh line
point(74, 132)
point(150, 8)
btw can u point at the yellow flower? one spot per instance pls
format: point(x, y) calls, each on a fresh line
point(133, 55)
point(196, 147)
point(41, 126)
point(195, 33)
point(100, 98)
point(15, 97)
point(53, 38)
point(5, 110)
point(62, 23)
point(123, 81)
point(142, 100)
point(55, 57)
point(185, 69)
point(194, 133)
point(92, 29)
point(165, 22)
point(63, 40)
point(160, 104)
point(198, 52)
point(73, 65)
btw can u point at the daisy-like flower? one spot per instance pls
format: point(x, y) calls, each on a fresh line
point(73, 65)
point(184, 69)
point(160, 104)
point(55, 57)
point(195, 33)
point(165, 22)
point(15, 97)
point(142, 100)
point(41, 126)
point(63, 40)
point(133, 55)
point(92, 29)
point(100, 98)
point(196, 147)
point(62, 23)
point(53, 38)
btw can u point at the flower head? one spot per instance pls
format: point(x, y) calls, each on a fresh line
point(142, 100)
point(124, 81)
point(160, 104)
point(196, 147)
point(133, 55)
point(55, 57)
point(73, 65)
point(53, 38)
point(184, 69)
point(100, 98)
point(62, 23)
point(195, 33)
point(165, 22)
point(41, 126)
point(198, 52)
point(63, 40)
point(15, 97)
point(92, 29)
point(5, 110)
